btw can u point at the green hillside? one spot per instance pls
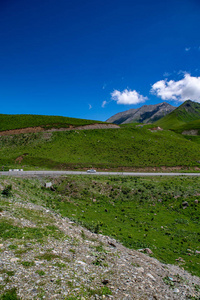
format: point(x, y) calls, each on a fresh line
point(139, 212)
point(128, 147)
point(8, 122)
point(195, 125)
point(187, 112)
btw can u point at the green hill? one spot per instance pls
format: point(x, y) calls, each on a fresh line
point(194, 125)
point(187, 112)
point(9, 122)
point(124, 149)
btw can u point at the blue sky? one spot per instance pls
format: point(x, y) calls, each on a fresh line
point(92, 59)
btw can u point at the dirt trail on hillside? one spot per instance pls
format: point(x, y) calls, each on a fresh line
point(41, 129)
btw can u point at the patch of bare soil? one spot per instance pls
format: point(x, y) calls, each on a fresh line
point(22, 130)
point(154, 129)
point(190, 132)
point(41, 129)
point(20, 158)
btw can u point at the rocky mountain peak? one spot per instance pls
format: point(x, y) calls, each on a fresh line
point(143, 114)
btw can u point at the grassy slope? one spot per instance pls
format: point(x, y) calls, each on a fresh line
point(8, 122)
point(139, 212)
point(189, 126)
point(187, 112)
point(128, 146)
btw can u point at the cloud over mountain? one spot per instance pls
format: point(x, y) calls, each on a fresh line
point(128, 97)
point(181, 90)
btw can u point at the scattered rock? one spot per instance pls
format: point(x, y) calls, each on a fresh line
point(147, 250)
point(48, 184)
point(112, 244)
point(185, 204)
point(81, 262)
point(15, 259)
point(151, 276)
point(180, 259)
point(190, 132)
point(105, 281)
point(75, 263)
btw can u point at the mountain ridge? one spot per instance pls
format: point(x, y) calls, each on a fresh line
point(144, 114)
point(187, 112)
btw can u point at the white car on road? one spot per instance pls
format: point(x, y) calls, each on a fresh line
point(91, 171)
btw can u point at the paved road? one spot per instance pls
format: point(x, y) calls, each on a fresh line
point(59, 173)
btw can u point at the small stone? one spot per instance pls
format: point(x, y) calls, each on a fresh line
point(197, 252)
point(196, 201)
point(81, 262)
point(48, 184)
point(140, 269)
point(112, 244)
point(1, 245)
point(105, 281)
point(151, 276)
point(39, 262)
point(176, 291)
point(147, 250)
point(14, 259)
point(1, 278)
point(185, 204)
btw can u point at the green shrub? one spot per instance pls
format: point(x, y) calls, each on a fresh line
point(10, 295)
point(7, 191)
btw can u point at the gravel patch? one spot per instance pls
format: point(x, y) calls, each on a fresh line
point(83, 265)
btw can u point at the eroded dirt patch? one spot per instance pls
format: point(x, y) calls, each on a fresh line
point(41, 129)
point(190, 132)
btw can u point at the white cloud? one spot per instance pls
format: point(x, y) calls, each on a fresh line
point(184, 89)
point(90, 106)
point(104, 103)
point(128, 97)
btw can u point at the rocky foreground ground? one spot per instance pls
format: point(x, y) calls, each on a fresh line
point(80, 264)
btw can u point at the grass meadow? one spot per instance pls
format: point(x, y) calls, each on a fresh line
point(8, 122)
point(127, 147)
point(139, 212)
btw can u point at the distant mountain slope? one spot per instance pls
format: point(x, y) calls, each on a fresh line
point(187, 112)
point(10, 122)
point(144, 114)
point(191, 128)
